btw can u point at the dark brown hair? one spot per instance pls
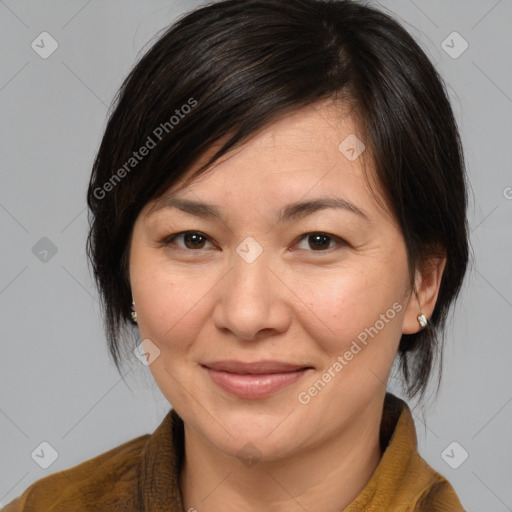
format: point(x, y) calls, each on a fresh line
point(233, 67)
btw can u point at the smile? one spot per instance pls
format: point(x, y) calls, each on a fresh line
point(254, 380)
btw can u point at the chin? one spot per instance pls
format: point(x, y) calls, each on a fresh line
point(269, 430)
point(252, 447)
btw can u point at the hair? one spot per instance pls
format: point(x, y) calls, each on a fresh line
point(230, 68)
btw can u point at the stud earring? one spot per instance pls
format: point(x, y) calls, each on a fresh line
point(134, 313)
point(423, 320)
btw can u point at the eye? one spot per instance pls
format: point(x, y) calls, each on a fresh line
point(320, 241)
point(195, 240)
point(192, 240)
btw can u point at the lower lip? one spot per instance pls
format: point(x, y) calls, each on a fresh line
point(254, 385)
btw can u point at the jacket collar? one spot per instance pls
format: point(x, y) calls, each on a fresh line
point(400, 476)
point(159, 487)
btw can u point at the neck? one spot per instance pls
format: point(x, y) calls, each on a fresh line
point(328, 476)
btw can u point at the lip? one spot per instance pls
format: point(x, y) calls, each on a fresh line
point(254, 380)
point(256, 367)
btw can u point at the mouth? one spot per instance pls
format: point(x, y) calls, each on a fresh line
point(254, 380)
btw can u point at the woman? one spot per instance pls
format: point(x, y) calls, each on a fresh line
point(278, 206)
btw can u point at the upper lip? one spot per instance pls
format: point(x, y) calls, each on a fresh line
point(257, 367)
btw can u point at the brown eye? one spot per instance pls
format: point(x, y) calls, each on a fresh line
point(320, 242)
point(192, 240)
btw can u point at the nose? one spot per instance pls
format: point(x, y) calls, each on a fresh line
point(252, 301)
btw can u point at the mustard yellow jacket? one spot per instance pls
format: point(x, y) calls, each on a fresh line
point(142, 475)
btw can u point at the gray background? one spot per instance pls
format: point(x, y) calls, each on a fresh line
point(57, 383)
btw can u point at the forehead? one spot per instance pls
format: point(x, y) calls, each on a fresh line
point(317, 149)
point(316, 129)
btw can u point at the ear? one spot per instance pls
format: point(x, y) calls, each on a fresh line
point(424, 296)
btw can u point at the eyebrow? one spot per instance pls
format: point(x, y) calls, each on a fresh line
point(289, 212)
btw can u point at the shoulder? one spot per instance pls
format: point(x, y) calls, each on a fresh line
point(436, 493)
point(108, 481)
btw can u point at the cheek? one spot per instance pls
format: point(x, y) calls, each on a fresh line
point(347, 302)
point(171, 304)
point(358, 336)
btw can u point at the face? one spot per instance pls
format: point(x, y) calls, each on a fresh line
point(323, 288)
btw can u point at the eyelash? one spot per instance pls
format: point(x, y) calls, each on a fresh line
point(169, 240)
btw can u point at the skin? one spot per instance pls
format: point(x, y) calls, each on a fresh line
point(293, 303)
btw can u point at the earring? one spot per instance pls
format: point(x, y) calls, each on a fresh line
point(134, 313)
point(423, 320)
